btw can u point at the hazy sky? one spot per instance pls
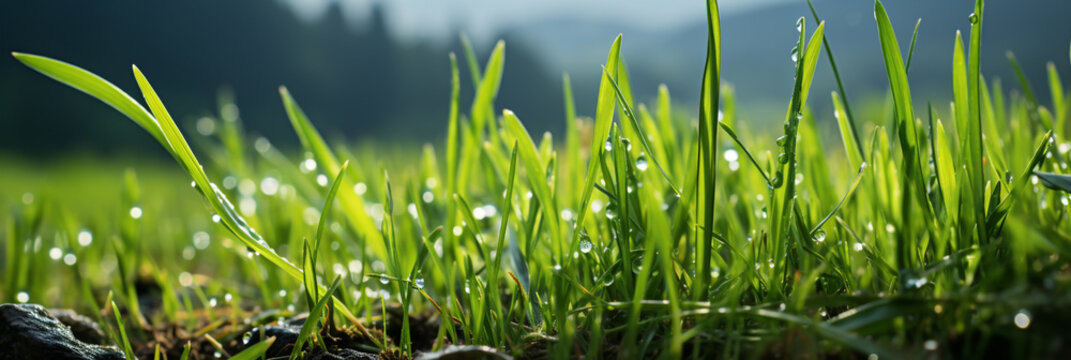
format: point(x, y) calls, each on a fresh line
point(481, 18)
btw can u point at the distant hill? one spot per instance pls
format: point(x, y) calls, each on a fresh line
point(757, 45)
point(355, 81)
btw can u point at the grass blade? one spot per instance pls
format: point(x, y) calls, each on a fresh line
point(312, 322)
point(708, 152)
point(97, 87)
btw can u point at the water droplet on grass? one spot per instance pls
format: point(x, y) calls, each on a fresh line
point(585, 246)
point(637, 264)
point(973, 18)
point(55, 253)
point(609, 146)
point(820, 235)
point(641, 163)
point(795, 54)
point(135, 212)
point(611, 211)
point(22, 297)
point(383, 280)
point(777, 181)
point(799, 25)
point(419, 282)
point(245, 338)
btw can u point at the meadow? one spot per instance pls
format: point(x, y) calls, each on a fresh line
point(641, 232)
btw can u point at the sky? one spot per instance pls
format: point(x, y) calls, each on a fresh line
point(481, 19)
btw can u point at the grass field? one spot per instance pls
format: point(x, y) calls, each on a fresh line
point(935, 232)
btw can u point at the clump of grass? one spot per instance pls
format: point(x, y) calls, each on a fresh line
point(631, 239)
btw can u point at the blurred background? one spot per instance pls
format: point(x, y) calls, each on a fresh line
point(368, 69)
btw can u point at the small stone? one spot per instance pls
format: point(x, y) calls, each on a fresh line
point(83, 328)
point(28, 331)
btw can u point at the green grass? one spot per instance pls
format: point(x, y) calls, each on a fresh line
point(641, 234)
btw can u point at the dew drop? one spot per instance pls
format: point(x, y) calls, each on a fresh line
point(799, 25)
point(820, 235)
point(22, 297)
point(383, 280)
point(973, 18)
point(419, 282)
point(776, 182)
point(585, 246)
point(609, 145)
point(245, 338)
point(637, 264)
point(783, 158)
point(795, 54)
point(641, 163)
point(611, 211)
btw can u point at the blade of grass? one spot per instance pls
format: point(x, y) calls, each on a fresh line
point(256, 351)
point(849, 118)
point(604, 115)
point(708, 152)
point(312, 322)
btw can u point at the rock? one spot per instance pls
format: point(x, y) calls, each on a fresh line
point(285, 337)
point(84, 328)
point(467, 352)
point(28, 331)
point(345, 354)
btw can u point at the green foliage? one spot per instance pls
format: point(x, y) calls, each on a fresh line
point(918, 241)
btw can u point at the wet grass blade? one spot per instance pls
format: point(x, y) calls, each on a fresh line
point(124, 340)
point(537, 178)
point(708, 152)
point(314, 143)
point(312, 322)
point(946, 171)
point(732, 135)
point(847, 132)
point(256, 351)
point(849, 118)
point(1059, 107)
point(848, 194)
point(482, 112)
point(604, 115)
point(976, 166)
point(641, 134)
point(1055, 181)
point(97, 87)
